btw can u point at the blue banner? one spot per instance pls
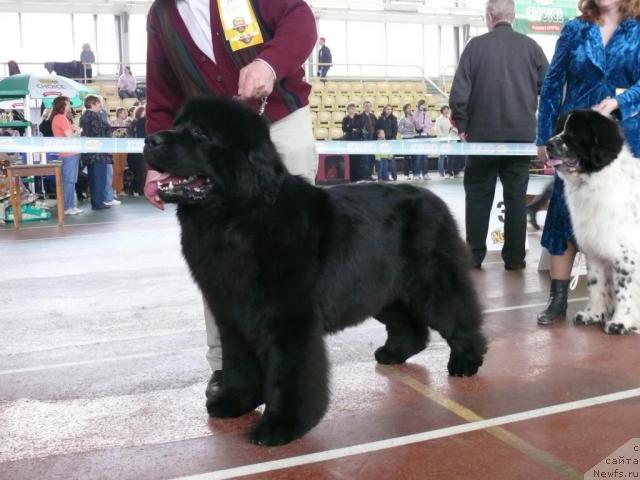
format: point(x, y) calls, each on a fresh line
point(427, 146)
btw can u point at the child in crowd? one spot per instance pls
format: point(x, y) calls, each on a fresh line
point(384, 161)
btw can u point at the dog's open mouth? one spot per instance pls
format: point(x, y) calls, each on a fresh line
point(567, 164)
point(177, 189)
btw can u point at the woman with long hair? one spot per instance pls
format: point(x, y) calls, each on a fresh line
point(62, 127)
point(596, 65)
point(136, 160)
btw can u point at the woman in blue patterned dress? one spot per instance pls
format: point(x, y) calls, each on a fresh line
point(596, 64)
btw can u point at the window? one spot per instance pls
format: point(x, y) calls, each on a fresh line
point(106, 50)
point(138, 44)
point(366, 46)
point(334, 32)
point(432, 66)
point(405, 47)
point(47, 38)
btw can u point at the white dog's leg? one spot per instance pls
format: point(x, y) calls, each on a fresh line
point(600, 282)
point(626, 286)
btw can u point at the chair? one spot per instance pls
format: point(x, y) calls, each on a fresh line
point(383, 88)
point(324, 118)
point(336, 133)
point(314, 102)
point(129, 102)
point(357, 101)
point(328, 102)
point(381, 102)
point(408, 88)
point(341, 102)
point(395, 101)
point(331, 88)
point(396, 88)
point(336, 118)
point(17, 171)
point(370, 89)
point(317, 86)
point(344, 88)
point(109, 90)
point(321, 133)
point(314, 118)
point(357, 88)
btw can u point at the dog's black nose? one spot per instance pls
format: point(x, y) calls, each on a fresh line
point(153, 140)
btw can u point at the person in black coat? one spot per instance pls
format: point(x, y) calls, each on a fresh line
point(93, 125)
point(494, 98)
point(389, 123)
point(368, 121)
point(135, 161)
point(324, 58)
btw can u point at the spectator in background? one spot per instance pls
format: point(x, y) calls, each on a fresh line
point(444, 129)
point(388, 123)
point(62, 127)
point(383, 159)
point(13, 68)
point(127, 84)
point(368, 122)
point(407, 130)
point(351, 126)
point(120, 130)
point(94, 126)
point(324, 58)
point(595, 65)
point(87, 58)
point(494, 98)
point(422, 121)
point(136, 160)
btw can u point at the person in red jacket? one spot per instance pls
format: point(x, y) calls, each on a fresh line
point(253, 49)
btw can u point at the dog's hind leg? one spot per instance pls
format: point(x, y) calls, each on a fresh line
point(407, 334)
point(454, 311)
point(626, 284)
point(296, 384)
point(241, 388)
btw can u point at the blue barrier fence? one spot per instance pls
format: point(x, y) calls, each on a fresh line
point(427, 146)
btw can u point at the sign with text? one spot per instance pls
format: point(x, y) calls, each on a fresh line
point(543, 16)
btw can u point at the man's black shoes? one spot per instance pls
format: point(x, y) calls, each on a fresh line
point(214, 384)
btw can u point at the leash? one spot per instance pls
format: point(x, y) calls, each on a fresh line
point(574, 281)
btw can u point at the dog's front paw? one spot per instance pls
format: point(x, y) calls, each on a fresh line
point(271, 431)
point(588, 317)
point(464, 365)
point(386, 356)
point(228, 405)
point(618, 326)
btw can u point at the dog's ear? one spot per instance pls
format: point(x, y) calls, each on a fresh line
point(269, 171)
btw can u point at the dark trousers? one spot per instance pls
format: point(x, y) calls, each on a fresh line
point(136, 164)
point(322, 70)
point(480, 177)
point(97, 184)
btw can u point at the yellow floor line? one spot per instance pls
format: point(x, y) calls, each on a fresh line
point(566, 470)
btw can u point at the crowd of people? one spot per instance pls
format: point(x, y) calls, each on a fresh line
point(107, 176)
point(415, 123)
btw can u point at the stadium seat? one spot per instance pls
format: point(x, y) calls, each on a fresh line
point(321, 133)
point(341, 102)
point(324, 118)
point(129, 102)
point(328, 102)
point(109, 90)
point(314, 118)
point(370, 89)
point(357, 88)
point(395, 101)
point(396, 88)
point(331, 88)
point(357, 101)
point(336, 118)
point(383, 88)
point(381, 101)
point(314, 102)
point(336, 133)
point(344, 88)
point(317, 86)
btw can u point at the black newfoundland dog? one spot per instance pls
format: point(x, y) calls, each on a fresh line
point(281, 263)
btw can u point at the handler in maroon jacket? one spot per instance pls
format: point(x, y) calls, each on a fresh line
point(251, 48)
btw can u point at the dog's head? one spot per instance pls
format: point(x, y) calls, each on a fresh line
point(588, 142)
point(218, 149)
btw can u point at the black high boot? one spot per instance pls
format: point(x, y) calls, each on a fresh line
point(557, 304)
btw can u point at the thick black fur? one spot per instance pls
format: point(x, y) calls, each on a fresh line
point(588, 141)
point(281, 263)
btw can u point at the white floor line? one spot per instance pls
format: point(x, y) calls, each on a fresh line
point(410, 439)
point(100, 360)
point(529, 305)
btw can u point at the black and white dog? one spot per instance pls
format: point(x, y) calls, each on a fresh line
point(601, 179)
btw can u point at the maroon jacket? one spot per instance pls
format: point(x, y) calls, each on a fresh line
point(290, 35)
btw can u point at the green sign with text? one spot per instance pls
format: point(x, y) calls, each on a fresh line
point(543, 16)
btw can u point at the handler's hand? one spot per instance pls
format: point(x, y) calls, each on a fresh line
point(256, 81)
point(542, 154)
point(463, 136)
point(151, 189)
point(606, 106)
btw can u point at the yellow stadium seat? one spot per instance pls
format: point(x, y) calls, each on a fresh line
point(328, 102)
point(357, 101)
point(341, 102)
point(396, 88)
point(395, 101)
point(383, 88)
point(109, 90)
point(370, 88)
point(331, 88)
point(336, 133)
point(317, 86)
point(321, 133)
point(336, 118)
point(369, 98)
point(314, 118)
point(357, 88)
point(129, 102)
point(407, 99)
point(315, 102)
point(419, 88)
point(344, 88)
point(324, 118)
point(381, 101)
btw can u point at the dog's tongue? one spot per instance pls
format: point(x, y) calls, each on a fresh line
point(154, 179)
